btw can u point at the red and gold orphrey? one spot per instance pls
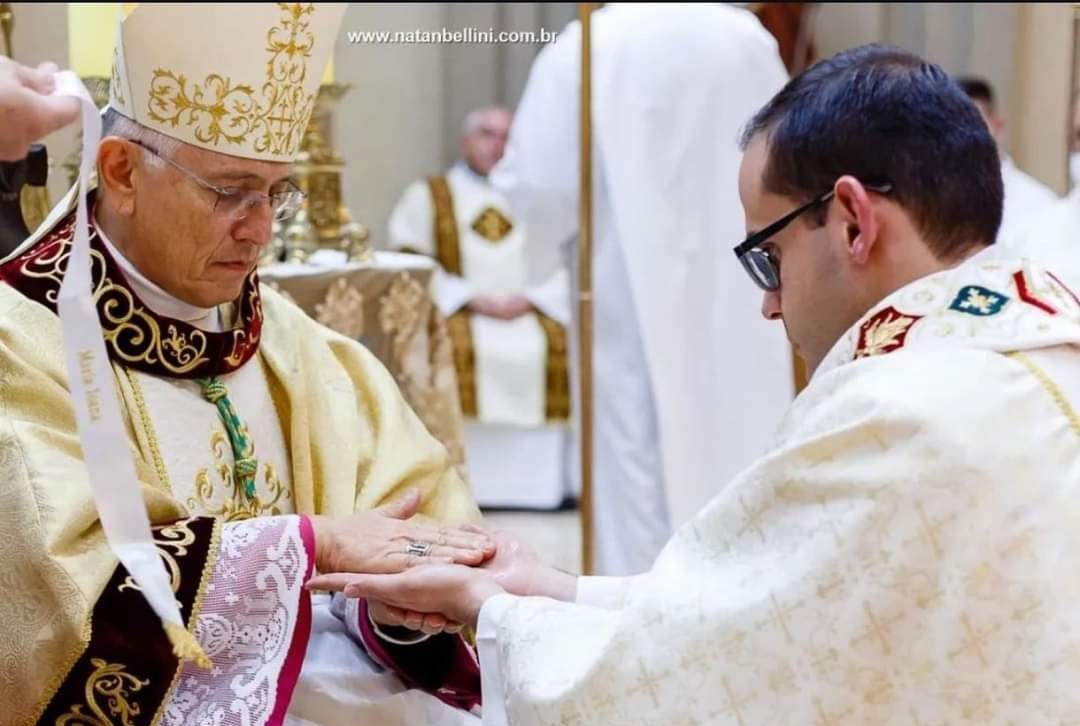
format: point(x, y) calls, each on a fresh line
point(135, 336)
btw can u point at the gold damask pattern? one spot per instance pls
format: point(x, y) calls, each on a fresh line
point(220, 111)
point(403, 309)
point(230, 502)
point(492, 225)
point(342, 310)
point(433, 394)
point(110, 687)
point(393, 312)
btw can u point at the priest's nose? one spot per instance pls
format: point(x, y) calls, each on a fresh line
point(770, 306)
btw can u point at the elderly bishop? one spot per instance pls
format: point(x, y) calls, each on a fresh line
point(265, 446)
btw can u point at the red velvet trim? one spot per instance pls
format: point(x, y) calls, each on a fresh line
point(1026, 296)
point(443, 665)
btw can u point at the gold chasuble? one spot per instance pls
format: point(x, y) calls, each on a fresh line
point(273, 415)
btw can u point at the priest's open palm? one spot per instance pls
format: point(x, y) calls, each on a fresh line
point(390, 539)
point(455, 591)
point(518, 569)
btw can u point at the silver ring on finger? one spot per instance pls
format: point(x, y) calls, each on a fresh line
point(420, 549)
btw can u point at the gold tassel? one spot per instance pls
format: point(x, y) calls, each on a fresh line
point(185, 647)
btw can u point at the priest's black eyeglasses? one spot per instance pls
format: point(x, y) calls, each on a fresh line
point(763, 267)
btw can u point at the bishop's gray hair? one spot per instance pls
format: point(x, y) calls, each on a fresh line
point(472, 119)
point(114, 123)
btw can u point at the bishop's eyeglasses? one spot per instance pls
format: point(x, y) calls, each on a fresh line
point(761, 264)
point(236, 203)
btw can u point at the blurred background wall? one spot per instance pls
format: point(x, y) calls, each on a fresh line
point(401, 118)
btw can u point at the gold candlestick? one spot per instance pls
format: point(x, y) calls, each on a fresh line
point(7, 24)
point(324, 221)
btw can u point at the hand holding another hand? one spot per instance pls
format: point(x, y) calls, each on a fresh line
point(456, 592)
point(501, 308)
point(389, 539)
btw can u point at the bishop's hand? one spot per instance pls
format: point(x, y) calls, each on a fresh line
point(391, 539)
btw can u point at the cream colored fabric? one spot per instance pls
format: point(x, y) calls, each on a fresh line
point(341, 686)
point(387, 304)
point(903, 555)
point(195, 450)
point(238, 78)
point(1026, 199)
point(1052, 238)
point(352, 443)
point(511, 355)
point(690, 382)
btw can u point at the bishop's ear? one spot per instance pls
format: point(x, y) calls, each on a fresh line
point(116, 168)
point(856, 207)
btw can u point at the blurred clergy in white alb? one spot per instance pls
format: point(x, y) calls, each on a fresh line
point(690, 383)
point(509, 333)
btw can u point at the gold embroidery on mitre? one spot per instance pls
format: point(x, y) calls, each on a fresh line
point(223, 111)
point(492, 225)
point(114, 81)
point(112, 683)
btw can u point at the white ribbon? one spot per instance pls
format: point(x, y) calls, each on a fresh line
point(104, 442)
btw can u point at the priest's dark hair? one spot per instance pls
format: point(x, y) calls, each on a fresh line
point(882, 114)
point(978, 89)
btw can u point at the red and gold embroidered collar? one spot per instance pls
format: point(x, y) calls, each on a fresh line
point(135, 335)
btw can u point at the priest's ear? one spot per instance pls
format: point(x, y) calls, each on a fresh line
point(861, 225)
point(116, 167)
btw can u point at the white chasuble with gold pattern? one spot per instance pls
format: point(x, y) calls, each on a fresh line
point(904, 554)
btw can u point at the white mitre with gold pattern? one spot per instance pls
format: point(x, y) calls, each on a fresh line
point(240, 79)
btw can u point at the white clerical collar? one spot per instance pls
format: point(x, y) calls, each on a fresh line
point(160, 301)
